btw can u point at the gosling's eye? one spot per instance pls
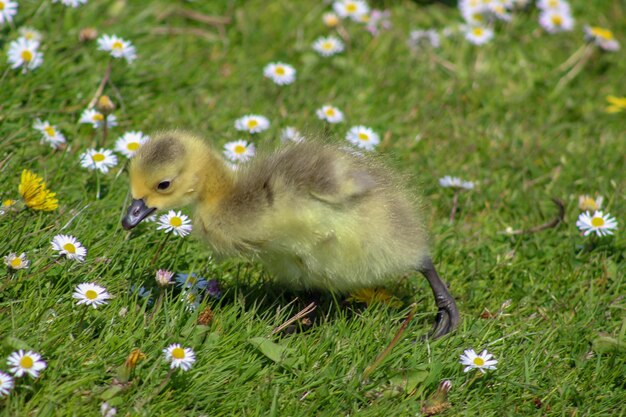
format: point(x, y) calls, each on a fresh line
point(164, 185)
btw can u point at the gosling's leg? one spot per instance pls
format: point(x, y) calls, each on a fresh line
point(448, 315)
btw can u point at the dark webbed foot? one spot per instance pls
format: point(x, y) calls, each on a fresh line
point(448, 315)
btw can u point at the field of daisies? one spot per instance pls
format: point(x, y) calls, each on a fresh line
point(508, 116)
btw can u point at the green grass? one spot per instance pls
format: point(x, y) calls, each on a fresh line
point(494, 120)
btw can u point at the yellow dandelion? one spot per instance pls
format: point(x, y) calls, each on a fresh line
point(35, 194)
point(616, 104)
point(373, 296)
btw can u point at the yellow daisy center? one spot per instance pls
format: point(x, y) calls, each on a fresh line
point(178, 353)
point(117, 45)
point(252, 123)
point(26, 55)
point(70, 248)
point(330, 112)
point(280, 70)
point(91, 294)
point(597, 222)
point(363, 137)
point(602, 33)
point(176, 221)
point(29, 35)
point(8, 203)
point(1, 5)
point(479, 361)
point(98, 157)
point(27, 362)
point(478, 31)
point(351, 7)
point(553, 3)
point(557, 20)
point(49, 131)
point(478, 17)
point(327, 45)
point(133, 146)
point(239, 149)
point(16, 262)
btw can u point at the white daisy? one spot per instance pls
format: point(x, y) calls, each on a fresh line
point(6, 384)
point(13, 261)
point(239, 151)
point(499, 11)
point(363, 137)
point(330, 114)
point(8, 9)
point(175, 222)
point(29, 33)
point(21, 363)
point(478, 35)
point(23, 53)
point(252, 123)
point(558, 5)
point(455, 182)
point(474, 12)
point(7, 205)
point(602, 224)
point(118, 47)
point(179, 357)
point(192, 298)
point(327, 46)
point(91, 294)
point(100, 159)
point(50, 133)
point(290, 133)
point(330, 19)
point(604, 38)
point(353, 9)
point(588, 203)
point(96, 119)
point(71, 3)
point(555, 21)
point(281, 74)
point(164, 278)
point(69, 247)
point(481, 362)
point(107, 411)
point(130, 142)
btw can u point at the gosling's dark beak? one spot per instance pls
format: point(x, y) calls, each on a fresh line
point(137, 211)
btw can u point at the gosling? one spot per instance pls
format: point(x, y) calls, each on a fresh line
point(316, 215)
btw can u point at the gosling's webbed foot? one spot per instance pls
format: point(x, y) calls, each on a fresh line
point(448, 315)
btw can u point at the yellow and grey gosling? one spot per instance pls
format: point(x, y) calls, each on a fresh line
point(316, 215)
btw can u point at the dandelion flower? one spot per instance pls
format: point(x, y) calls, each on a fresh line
point(50, 133)
point(96, 119)
point(588, 203)
point(374, 296)
point(292, 134)
point(130, 142)
point(616, 104)
point(328, 46)
point(91, 294)
point(29, 33)
point(363, 137)
point(179, 357)
point(555, 21)
point(100, 159)
point(239, 151)
point(13, 261)
point(6, 384)
point(330, 19)
point(602, 224)
point(164, 278)
point(455, 182)
point(175, 222)
point(70, 247)
point(21, 363)
point(281, 74)
point(330, 114)
point(481, 362)
point(8, 9)
point(353, 9)
point(7, 205)
point(191, 281)
point(35, 194)
point(23, 53)
point(252, 123)
point(604, 38)
point(117, 47)
point(479, 35)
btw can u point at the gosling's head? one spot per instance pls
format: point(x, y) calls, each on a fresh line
point(165, 174)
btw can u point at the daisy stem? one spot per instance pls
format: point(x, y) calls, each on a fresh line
point(97, 184)
point(105, 79)
point(166, 380)
point(157, 306)
point(576, 69)
point(455, 205)
point(82, 318)
point(159, 249)
point(105, 130)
